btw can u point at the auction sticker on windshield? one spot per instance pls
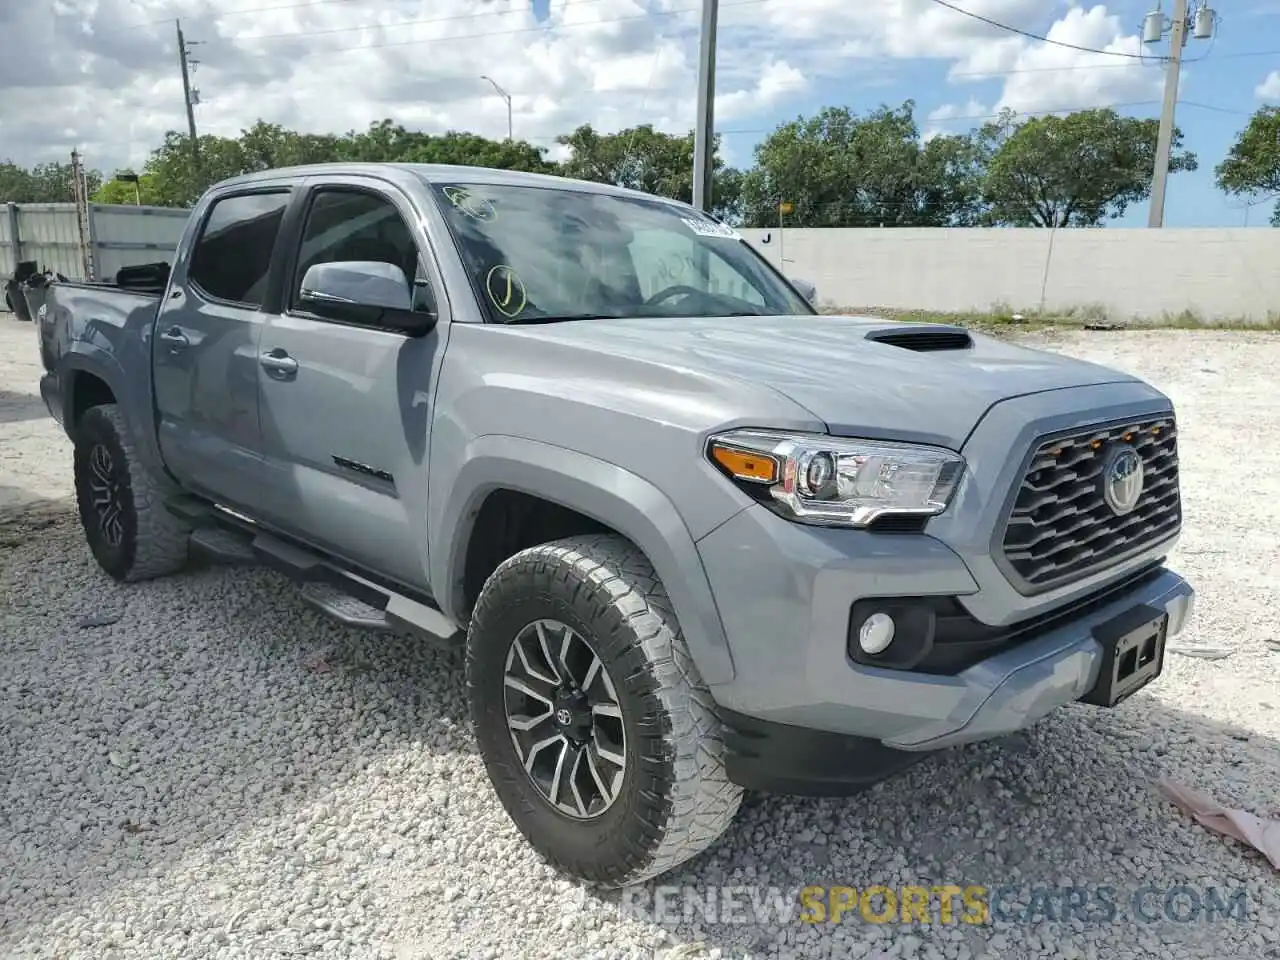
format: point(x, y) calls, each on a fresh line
point(709, 228)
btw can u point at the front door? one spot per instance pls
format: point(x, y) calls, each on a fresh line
point(205, 348)
point(346, 408)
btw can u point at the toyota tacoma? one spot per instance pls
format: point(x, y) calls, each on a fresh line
point(694, 536)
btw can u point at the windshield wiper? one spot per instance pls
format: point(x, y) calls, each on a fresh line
point(558, 318)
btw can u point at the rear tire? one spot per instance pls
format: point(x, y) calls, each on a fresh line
point(130, 533)
point(656, 742)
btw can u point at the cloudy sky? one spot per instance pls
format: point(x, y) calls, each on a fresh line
point(103, 74)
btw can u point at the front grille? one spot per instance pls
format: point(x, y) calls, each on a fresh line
point(1061, 527)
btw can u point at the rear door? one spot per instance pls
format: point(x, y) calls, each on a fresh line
point(346, 408)
point(205, 347)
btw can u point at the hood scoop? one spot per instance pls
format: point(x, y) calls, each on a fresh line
point(923, 338)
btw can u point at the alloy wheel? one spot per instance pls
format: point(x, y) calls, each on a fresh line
point(564, 718)
point(104, 486)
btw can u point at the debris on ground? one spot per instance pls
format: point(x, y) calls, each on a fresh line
point(1262, 835)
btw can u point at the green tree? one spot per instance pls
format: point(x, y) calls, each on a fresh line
point(124, 192)
point(43, 183)
point(1073, 171)
point(175, 179)
point(468, 149)
point(838, 169)
point(642, 158)
point(384, 142)
point(179, 179)
point(267, 146)
point(1252, 167)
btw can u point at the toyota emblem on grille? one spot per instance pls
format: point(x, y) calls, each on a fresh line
point(1122, 478)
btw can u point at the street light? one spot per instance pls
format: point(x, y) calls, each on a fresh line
point(132, 178)
point(505, 96)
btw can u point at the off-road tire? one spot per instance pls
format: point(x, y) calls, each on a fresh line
point(675, 799)
point(153, 541)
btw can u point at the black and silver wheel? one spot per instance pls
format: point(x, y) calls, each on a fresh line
point(565, 721)
point(130, 533)
point(598, 733)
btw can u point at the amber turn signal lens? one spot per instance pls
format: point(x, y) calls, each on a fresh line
point(745, 465)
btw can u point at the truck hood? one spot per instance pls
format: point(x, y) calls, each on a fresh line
point(826, 364)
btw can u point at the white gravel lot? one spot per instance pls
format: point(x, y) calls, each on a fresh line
point(220, 772)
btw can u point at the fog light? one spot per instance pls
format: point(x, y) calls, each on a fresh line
point(876, 633)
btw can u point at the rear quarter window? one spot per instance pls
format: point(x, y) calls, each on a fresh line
point(232, 256)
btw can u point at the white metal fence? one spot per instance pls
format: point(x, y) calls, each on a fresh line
point(117, 236)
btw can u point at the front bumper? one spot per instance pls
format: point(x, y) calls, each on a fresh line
point(785, 590)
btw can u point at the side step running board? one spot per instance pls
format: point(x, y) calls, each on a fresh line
point(345, 596)
point(344, 608)
point(222, 546)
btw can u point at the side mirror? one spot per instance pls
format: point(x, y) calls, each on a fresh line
point(806, 289)
point(368, 292)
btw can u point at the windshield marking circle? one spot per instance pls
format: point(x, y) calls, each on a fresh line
point(477, 208)
point(506, 290)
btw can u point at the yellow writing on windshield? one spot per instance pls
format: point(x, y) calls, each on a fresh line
point(506, 290)
point(466, 202)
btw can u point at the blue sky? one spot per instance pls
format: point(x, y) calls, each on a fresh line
point(100, 75)
point(1231, 76)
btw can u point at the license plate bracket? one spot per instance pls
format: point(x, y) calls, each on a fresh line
point(1133, 646)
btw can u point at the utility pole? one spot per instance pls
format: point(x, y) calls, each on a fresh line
point(189, 93)
point(1153, 29)
point(704, 131)
point(80, 195)
point(505, 96)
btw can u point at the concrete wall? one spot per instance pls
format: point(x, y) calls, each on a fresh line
point(1213, 273)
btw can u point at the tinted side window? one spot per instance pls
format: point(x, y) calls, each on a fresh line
point(350, 225)
point(232, 258)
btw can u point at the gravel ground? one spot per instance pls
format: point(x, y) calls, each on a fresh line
point(204, 767)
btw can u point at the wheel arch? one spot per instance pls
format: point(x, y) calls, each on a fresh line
point(606, 495)
point(89, 375)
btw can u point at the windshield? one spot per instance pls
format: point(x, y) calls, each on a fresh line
point(540, 254)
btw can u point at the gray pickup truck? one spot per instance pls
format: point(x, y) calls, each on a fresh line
point(694, 536)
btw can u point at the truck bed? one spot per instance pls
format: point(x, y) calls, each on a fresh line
point(84, 326)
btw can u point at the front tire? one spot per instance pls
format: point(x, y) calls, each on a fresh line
point(596, 729)
point(131, 534)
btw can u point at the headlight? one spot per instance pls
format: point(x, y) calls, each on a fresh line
point(838, 482)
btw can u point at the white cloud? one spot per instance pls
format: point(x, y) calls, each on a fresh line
point(95, 74)
point(1056, 78)
point(778, 81)
point(1035, 76)
point(1269, 89)
point(950, 116)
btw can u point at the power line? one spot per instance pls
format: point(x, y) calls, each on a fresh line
point(541, 28)
point(1216, 109)
point(426, 20)
point(972, 74)
point(978, 74)
point(232, 13)
point(1035, 36)
point(983, 116)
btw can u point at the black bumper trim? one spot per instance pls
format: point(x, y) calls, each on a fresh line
point(782, 758)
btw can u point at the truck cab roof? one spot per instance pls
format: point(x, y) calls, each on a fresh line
point(407, 173)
